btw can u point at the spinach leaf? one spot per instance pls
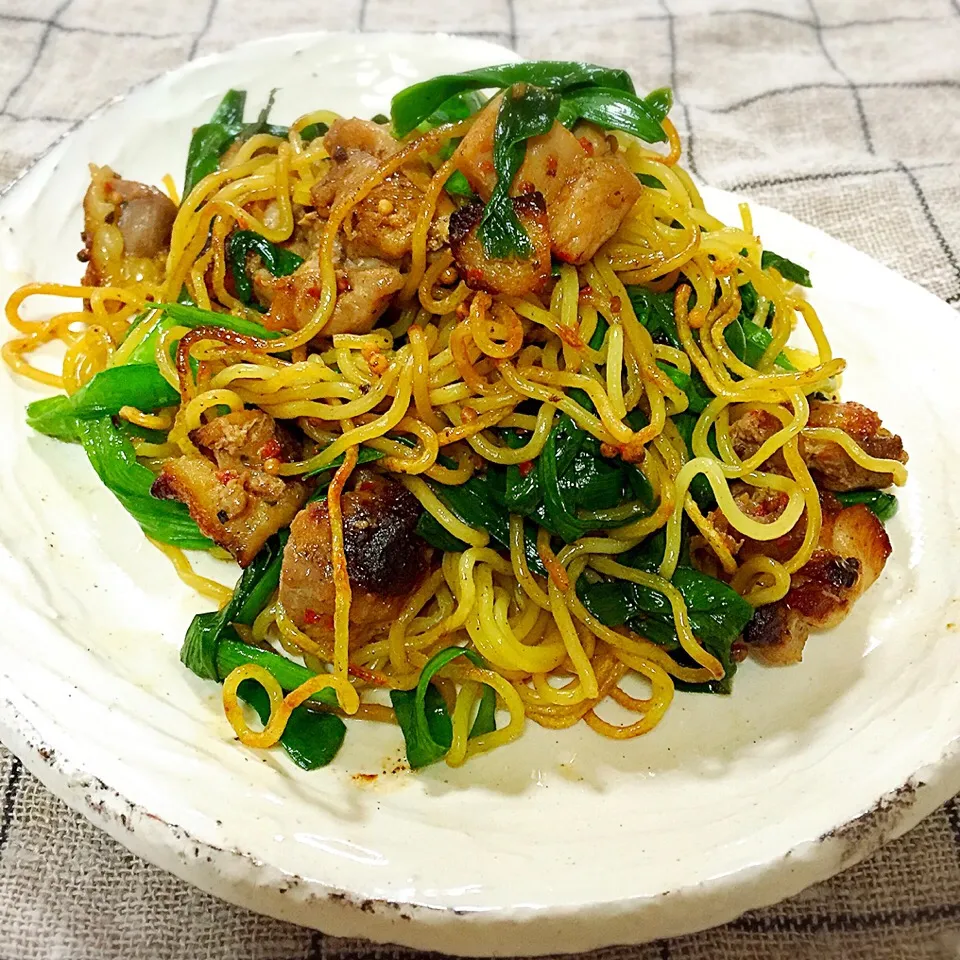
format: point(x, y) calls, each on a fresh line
point(416, 103)
point(201, 647)
point(526, 111)
point(655, 312)
point(240, 244)
point(310, 739)
point(613, 110)
point(786, 268)
point(717, 613)
point(364, 455)
point(884, 505)
point(422, 713)
point(210, 140)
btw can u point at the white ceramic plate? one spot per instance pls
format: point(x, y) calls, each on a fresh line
point(562, 841)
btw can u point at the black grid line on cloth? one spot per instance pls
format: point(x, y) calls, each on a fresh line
point(803, 21)
point(672, 36)
point(945, 247)
point(35, 59)
point(946, 83)
point(512, 15)
point(204, 27)
point(953, 818)
point(96, 31)
point(10, 792)
point(664, 946)
point(854, 91)
point(315, 946)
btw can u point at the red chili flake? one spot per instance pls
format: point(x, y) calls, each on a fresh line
point(552, 165)
point(586, 290)
point(271, 450)
point(315, 291)
point(525, 468)
point(526, 186)
point(225, 476)
point(311, 617)
point(587, 145)
point(615, 304)
point(487, 166)
point(343, 284)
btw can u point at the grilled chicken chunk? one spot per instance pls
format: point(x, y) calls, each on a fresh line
point(365, 289)
point(375, 240)
point(511, 276)
point(830, 464)
point(233, 499)
point(850, 555)
point(386, 560)
point(587, 195)
point(126, 228)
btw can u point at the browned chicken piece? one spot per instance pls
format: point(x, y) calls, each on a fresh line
point(235, 502)
point(830, 464)
point(366, 288)
point(513, 276)
point(380, 225)
point(850, 555)
point(386, 560)
point(587, 195)
point(126, 229)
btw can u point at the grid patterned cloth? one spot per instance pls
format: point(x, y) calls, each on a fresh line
point(846, 113)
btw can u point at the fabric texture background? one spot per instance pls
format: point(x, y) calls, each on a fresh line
point(845, 113)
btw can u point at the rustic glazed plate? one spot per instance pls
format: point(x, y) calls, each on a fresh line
point(562, 841)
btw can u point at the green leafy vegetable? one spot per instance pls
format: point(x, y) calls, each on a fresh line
point(525, 112)
point(884, 505)
point(422, 714)
point(212, 649)
point(210, 140)
point(613, 110)
point(311, 739)
point(364, 455)
point(718, 615)
point(185, 315)
point(416, 103)
point(486, 718)
point(457, 185)
point(137, 385)
point(112, 456)
point(54, 417)
point(201, 646)
point(240, 244)
point(786, 268)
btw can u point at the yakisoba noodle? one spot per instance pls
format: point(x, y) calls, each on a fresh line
point(435, 388)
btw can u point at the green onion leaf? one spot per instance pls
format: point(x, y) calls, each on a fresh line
point(113, 458)
point(54, 417)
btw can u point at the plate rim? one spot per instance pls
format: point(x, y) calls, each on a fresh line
point(226, 873)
